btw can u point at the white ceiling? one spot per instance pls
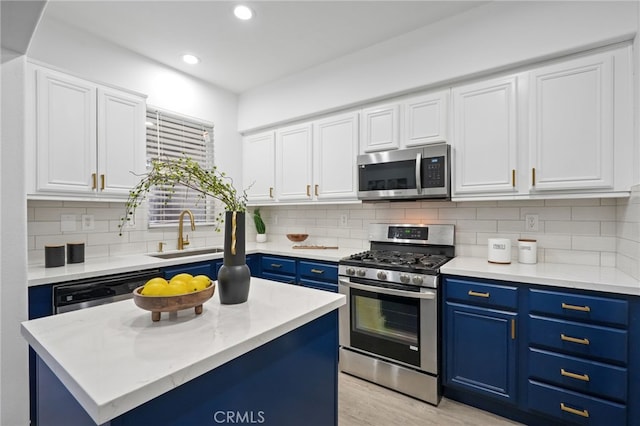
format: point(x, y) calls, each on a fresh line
point(285, 36)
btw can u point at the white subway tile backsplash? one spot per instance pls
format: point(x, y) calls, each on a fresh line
point(587, 231)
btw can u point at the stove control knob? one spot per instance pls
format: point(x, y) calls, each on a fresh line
point(350, 271)
point(404, 278)
point(382, 275)
point(361, 272)
point(417, 280)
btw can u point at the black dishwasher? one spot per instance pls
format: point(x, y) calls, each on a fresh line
point(85, 293)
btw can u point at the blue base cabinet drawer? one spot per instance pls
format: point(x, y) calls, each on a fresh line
point(578, 374)
point(480, 293)
point(319, 285)
point(575, 408)
point(581, 339)
point(278, 265)
point(318, 271)
point(288, 279)
point(579, 307)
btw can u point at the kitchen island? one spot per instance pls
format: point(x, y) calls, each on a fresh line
point(271, 360)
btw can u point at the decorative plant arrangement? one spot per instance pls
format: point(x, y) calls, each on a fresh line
point(234, 276)
point(184, 171)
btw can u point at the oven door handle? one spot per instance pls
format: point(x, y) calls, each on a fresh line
point(428, 294)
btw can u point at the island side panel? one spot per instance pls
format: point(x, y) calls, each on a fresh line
point(291, 380)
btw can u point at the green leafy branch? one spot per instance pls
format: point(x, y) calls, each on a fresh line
point(168, 173)
point(257, 219)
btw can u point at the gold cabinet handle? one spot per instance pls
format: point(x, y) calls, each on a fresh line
point(581, 413)
point(476, 294)
point(576, 308)
point(533, 176)
point(583, 377)
point(101, 182)
point(574, 340)
point(318, 271)
point(513, 329)
point(94, 181)
point(513, 178)
point(316, 190)
point(308, 190)
point(270, 192)
point(276, 265)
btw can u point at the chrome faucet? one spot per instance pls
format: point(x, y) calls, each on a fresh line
point(181, 241)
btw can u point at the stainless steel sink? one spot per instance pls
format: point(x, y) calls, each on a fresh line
point(186, 253)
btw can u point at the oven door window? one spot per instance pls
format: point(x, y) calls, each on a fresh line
point(388, 176)
point(386, 325)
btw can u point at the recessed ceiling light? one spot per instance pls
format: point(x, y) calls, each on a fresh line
point(243, 12)
point(190, 59)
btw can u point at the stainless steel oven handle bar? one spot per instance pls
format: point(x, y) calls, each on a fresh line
point(419, 172)
point(393, 292)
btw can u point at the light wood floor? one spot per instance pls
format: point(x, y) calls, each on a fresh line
point(361, 403)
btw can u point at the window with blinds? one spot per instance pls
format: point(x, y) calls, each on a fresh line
point(170, 135)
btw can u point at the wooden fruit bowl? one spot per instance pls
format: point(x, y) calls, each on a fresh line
point(296, 238)
point(159, 304)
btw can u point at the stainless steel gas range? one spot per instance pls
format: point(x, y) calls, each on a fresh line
point(389, 326)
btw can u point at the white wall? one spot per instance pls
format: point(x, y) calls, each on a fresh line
point(486, 38)
point(92, 58)
point(14, 385)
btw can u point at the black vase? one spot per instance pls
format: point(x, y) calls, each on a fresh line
point(234, 276)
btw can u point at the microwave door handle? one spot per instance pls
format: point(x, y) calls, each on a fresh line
point(418, 174)
point(390, 291)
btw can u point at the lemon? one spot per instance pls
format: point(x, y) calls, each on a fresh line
point(196, 284)
point(153, 289)
point(176, 287)
point(181, 277)
point(205, 280)
point(157, 280)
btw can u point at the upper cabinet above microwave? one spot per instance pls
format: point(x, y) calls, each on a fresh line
point(408, 122)
point(564, 129)
point(86, 140)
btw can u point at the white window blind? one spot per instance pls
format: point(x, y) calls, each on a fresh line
point(170, 136)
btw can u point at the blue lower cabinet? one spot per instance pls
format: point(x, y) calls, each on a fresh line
point(575, 408)
point(318, 275)
point(481, 350)
point(200, 268)
point(287, 279)
point(320, 285)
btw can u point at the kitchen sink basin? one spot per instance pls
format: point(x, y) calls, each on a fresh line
point(186, 253)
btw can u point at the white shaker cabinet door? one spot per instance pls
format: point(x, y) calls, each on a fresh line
point(259, 166)
point(571, 124)
point(293, 163)
point(425, 119)
point(484, 137)
point(380, 128)
point(121, 136)
point(65, 133)
point(334, 158)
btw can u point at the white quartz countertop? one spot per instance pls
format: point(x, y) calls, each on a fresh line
point(113, 358)
point(93, 267)
point(583, 277)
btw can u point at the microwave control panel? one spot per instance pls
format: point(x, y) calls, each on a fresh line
point(434, 170)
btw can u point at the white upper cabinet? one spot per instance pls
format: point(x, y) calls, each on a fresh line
point(380, 128)
point(425, 119)
point(89, 139)
point(335, 148)
point(571, 143)
point(259, 166)
point(484, 139)
point(560, 130)
point(121, 130)
point(294, 152)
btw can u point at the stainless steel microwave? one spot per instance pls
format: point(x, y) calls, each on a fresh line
point(405, 174)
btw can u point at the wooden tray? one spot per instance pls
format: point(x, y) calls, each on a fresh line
point(159, 304)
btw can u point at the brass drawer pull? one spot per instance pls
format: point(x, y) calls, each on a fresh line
point(574, 340)
point(94, 181)
point(533, 176)
point(476, 294)
point(513, 329)
point(276, 265)
point(576, 308)
point(318, 271)
point(513, 178)
point(581, 413)
point(308, 190)
point(101, 182)
point(583, 377)
point(316, 190)
point(270, 192)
